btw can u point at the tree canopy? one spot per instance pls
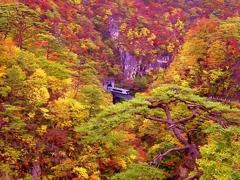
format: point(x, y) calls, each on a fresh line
point(58, 122)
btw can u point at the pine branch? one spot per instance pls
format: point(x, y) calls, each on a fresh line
point(167, 111)
point(216, 119)
point(187, 118)
point(159, 120)
point(179, 136)
point(196, 176)
point(160, 156)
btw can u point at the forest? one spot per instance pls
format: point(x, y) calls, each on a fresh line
point(180, 59)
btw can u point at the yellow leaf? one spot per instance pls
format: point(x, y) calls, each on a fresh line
point(80, 171)
point(31, 114)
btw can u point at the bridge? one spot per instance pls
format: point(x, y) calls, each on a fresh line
point(122, 96)
point(118, 97)
point(119, 94)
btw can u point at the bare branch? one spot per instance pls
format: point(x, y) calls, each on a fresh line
point(160, 156)
point(186, 119)
point(166, 109)
point(196, 176)
point(159, 120)
point(216, 119)
point(179, 136)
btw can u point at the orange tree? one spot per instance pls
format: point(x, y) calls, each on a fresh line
point(208, 59)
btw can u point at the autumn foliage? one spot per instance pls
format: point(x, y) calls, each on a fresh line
point(58, 122)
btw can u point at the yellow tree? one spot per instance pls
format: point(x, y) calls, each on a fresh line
point(36, 87)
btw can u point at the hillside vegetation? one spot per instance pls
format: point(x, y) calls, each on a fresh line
point(58, 122)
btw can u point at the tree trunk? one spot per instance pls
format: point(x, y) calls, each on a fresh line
point(20, 34)
point(36, 171)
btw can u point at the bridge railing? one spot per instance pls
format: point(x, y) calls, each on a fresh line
point(220, 99)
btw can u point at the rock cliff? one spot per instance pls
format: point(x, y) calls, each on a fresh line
point(130, 65)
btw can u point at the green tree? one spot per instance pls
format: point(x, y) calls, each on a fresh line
point(46, 45)
point(183, 114)
point(220, 155)
point(19, 22)
point(92, 97)
point(15, 79)
point(139, 171)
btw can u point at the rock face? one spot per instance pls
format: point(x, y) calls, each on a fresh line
point(130, 65)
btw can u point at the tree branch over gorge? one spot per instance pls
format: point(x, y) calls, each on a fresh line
point(160, 156)
point(191, 148)
point(198, 110)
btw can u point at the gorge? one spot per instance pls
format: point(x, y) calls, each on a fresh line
point(132, 66)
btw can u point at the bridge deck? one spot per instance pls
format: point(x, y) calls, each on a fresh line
point(122, 96)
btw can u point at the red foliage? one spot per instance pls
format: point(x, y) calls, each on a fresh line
point(55, 137)
point(101, 164)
